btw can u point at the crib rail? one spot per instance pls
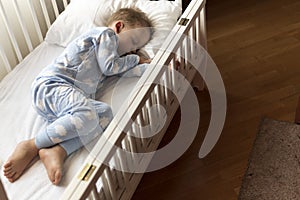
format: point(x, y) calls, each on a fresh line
point(23, 28)
point(130, 128)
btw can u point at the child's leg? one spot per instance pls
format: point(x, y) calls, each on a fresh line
point(104, 117)
point(71, 131)
point(75, 116)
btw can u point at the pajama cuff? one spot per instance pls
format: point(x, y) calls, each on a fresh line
point(43, 141)
point(71, 145)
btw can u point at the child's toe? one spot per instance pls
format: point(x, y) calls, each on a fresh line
point(7, 173)
point(57, 177)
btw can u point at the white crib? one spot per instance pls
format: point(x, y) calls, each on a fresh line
point(138, 117)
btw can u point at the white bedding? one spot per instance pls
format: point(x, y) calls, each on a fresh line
point(19, 121)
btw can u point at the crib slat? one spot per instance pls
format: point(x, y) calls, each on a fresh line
point(158, 97)
point(140, 131)
point(162, 92)
point(203, 36)
point(137, 134)
point(11, 33)
point(35, 21)
point(111, 183)
point(154, 105)
point(45, 12)
point(183, 49)
point(193, 39)
point(198, 29)
point(118, 173)
point(147, 127)
point(132, 142)
point(194, 50)
point(135, 143)
point(150, 115)
point(167, 87)
point(134, 158)
point(144, 115)
point(124, 167)
point(106, 189)
point(184, 53)
point(23, 26)
point(180, 69)
point(188, 51)
point(55, 8)
point(150, 108)
point(95, 193)
point(65, 2)
point(5, 60)
point(154, 118)
point(173, 77)
point(125, 144)
point(144, 128)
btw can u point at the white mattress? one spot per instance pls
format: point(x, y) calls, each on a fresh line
point(19, 122)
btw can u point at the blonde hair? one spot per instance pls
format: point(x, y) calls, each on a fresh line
point(131, 17)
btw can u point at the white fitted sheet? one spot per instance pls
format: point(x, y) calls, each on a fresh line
point(19, 122)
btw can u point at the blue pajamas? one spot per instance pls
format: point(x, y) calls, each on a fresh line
point(74, 120)
point(64, 91)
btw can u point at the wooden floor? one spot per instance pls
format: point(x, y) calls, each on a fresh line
point(256, 45)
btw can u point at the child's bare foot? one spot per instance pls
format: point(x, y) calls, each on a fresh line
point(23, 154)
point(53, 159)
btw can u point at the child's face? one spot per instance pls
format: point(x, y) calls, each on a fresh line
point(131, 38)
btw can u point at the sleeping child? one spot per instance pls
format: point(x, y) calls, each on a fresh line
point(63, 93)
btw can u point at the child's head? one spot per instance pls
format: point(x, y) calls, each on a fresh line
point(133, 28)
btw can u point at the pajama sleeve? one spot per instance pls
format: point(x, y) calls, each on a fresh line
point(109, 61)
point(136, 71)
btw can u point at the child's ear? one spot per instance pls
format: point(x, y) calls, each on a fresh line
point(119, 26)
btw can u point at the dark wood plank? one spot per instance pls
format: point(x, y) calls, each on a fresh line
point(256, 46)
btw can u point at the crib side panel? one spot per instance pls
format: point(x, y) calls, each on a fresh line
point(24, 24)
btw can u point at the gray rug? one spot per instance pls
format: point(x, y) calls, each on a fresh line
point(273, 171)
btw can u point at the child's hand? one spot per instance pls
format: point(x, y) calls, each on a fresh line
point(144, 60)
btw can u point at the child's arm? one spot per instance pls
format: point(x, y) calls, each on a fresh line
point(137, 70)
point(108, 58)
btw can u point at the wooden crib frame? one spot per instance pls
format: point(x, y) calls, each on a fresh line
point(119, 184)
